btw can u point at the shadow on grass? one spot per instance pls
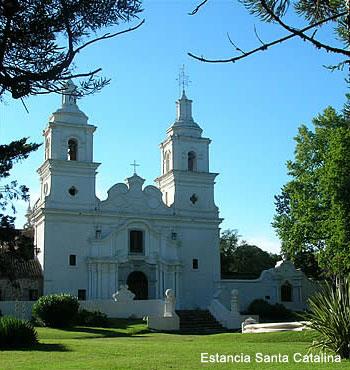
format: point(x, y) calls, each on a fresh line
point(105, 333)
point(40, 347)
point(50, 347)
point(196, 333)
point(124, 323)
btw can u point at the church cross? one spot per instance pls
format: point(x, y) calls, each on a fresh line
point(183, 79)
point(134, 165)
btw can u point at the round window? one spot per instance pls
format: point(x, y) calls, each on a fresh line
point(73, 191)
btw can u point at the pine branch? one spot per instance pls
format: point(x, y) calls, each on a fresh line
point(265, 46)
point(301, 33)
point(194, 11)
point(108, 36)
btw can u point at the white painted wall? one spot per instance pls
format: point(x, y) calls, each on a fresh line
point(268, 287)
point(135, 309)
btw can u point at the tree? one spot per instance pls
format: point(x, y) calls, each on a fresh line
point(315, 14)
point(229, 242)
point(313, 209)
point(10, 154)
point(40, 39)
point(239, 259)
point(13, 243)
point(307, 262)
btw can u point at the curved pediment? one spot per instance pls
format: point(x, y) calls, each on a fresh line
point(283, 270)
point(131, 197)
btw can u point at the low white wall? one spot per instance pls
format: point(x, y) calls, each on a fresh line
point(228, 319)
point(249, 290)
point(268, 287)
point(19, 309)
point(164, 323)
point(137, 309)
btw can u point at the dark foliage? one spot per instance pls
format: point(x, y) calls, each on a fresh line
point(41, 38)
point(92, 318)
point(267, 311)
point(56, 310)
point(15, 333)
point(307, 262)
point(13, 243)
point(10, 154)
point(241, 260)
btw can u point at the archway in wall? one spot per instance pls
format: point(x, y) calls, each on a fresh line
point(286, 292)
point(138, 284)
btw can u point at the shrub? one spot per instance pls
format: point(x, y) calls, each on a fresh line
point(92, 318)
point(15, 333)
point(268, 311)
point(330, 316)
point(56, 310)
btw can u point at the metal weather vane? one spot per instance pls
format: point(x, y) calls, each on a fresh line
point(183, 80)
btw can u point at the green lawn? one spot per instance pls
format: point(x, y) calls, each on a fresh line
point(132, 347)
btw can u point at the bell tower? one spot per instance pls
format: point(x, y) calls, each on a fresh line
point(185, 180)
point(67, 176)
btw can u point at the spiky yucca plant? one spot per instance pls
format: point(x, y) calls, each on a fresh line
point(330, 317)
point(16, 333)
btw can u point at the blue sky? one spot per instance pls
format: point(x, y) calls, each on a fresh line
point(251, 109)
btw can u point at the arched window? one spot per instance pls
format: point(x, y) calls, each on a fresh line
point(191, 161)
point(167, 162)
point(286, 292)
point(72, 150)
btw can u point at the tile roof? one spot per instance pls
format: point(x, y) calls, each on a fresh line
point(22, 269)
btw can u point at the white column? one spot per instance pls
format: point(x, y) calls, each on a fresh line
point(177, 292)
point(111, 279)
point(116, 277)
point(157, 282)
point(104, 281)
point(161, 281)
point(89, 295)
point(93, 281)
point(99, 281)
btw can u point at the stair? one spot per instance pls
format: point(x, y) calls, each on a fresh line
point(199, 322)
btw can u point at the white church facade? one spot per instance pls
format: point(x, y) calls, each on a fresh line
point(151, 238)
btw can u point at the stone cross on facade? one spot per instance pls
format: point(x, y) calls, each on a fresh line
point(134, 165)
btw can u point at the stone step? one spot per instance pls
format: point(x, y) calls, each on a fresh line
point(198, 321)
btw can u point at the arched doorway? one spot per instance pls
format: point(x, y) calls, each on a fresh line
point(286, 292)
point(138, 284)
